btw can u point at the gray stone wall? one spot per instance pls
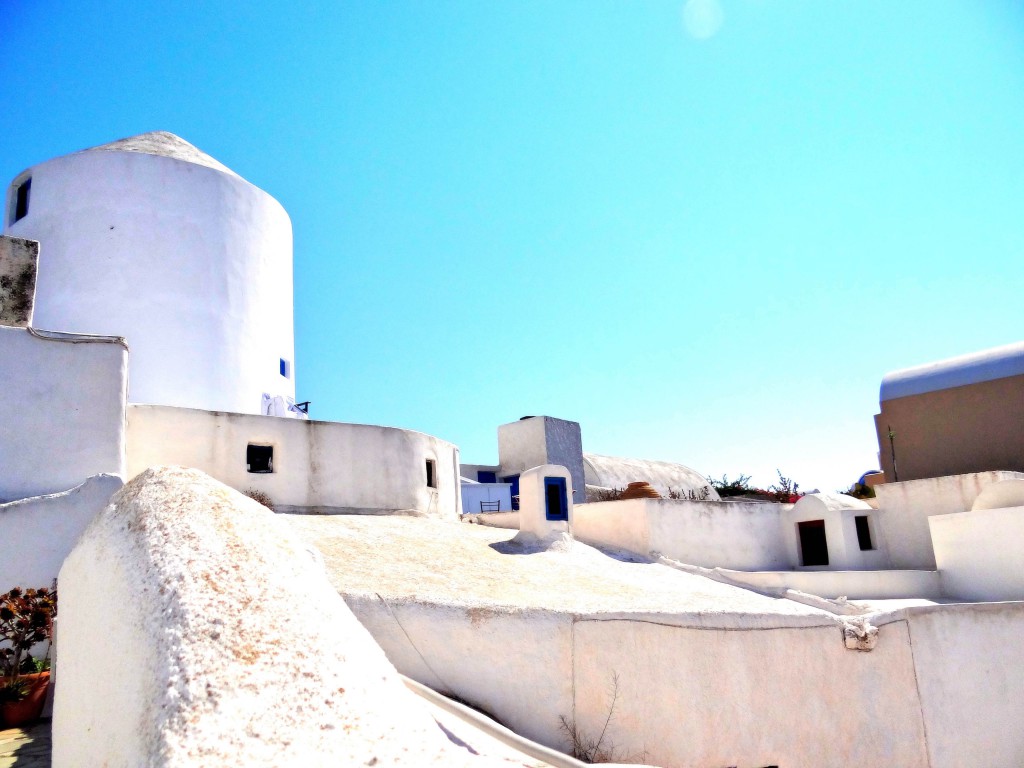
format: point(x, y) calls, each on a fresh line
point(18, 261)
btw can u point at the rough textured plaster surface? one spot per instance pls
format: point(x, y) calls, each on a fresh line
point(482, 567)
point(164, 144)
point(18, 261)
point(196, 629)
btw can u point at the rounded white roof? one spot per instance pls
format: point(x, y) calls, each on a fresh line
point(615, 472)
point(163, 144)
point(987, 365)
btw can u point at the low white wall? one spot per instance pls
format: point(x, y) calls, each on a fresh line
point(705, 695)
point(64, 400)
point(319, 466)
point(979, 554)
point(786, 696)
point(197, 629)
point(856, 585)
point(745, 536)
point(36, 534)
point(969, 664)
point(941, 689)
point(515, 665)
point(904, 509)
point(474, 493)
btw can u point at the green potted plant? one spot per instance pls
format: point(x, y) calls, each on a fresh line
point(26, 619)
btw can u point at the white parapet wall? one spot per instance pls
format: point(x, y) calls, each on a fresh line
point(980, 554)
point(904, 509)
point(855, 585)
point(317, 467)
point(36, 534)
point(741, 535)
point(196, 629)
point(64, 401)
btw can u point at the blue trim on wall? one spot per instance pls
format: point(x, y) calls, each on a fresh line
point(556, 500)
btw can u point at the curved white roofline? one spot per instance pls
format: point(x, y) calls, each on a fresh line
point(163, 144)
point(976, 367)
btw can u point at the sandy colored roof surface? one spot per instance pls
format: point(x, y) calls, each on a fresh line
point(164, 144)
point(472, 565)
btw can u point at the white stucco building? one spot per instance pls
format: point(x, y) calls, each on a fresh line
point(146, 319)
point(151, 239)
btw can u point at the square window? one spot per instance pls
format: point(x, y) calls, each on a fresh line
point(259, 459)
point(431, 474)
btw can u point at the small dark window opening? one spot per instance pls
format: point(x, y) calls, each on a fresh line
point(483, 476)
point(556, 504)
point(513, 480)
point(284, 368)
point(863, 532)
point(259, 459)
point(21, 200)
point(813, 544)
point(431, 474)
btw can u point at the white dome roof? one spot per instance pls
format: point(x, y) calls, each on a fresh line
point(615, 472)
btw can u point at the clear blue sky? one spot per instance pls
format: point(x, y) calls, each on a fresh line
point(703, 233)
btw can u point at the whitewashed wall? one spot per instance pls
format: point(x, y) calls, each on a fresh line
point(36, 534)
point(197, 630)
point(741, 535)
point(856, 585)
point(980, 555)
point(474, 493)
point(319, 466)
point(192, 265)
point(64, 401)
point(905, 508)
point(969, 665)
point(752, 692)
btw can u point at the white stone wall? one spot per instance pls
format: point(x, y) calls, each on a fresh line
point(36, 534)
point(743, 691)
point(319, 466)
point(196, 629)
point(904, 509)
point(192, 265)
point(64, 401)
point(742, 535)
point(856, 585)
point(980, 554)
point(969, 665)
point(474, 493)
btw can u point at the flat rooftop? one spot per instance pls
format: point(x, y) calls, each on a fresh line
point(459, 564)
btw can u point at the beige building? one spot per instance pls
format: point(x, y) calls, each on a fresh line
point(955, 416)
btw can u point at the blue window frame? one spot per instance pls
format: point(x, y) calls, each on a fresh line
point(556, 501)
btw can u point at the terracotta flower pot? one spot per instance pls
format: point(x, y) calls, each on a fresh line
point(14, 714)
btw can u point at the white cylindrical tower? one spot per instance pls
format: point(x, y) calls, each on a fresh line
point(151, 239)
